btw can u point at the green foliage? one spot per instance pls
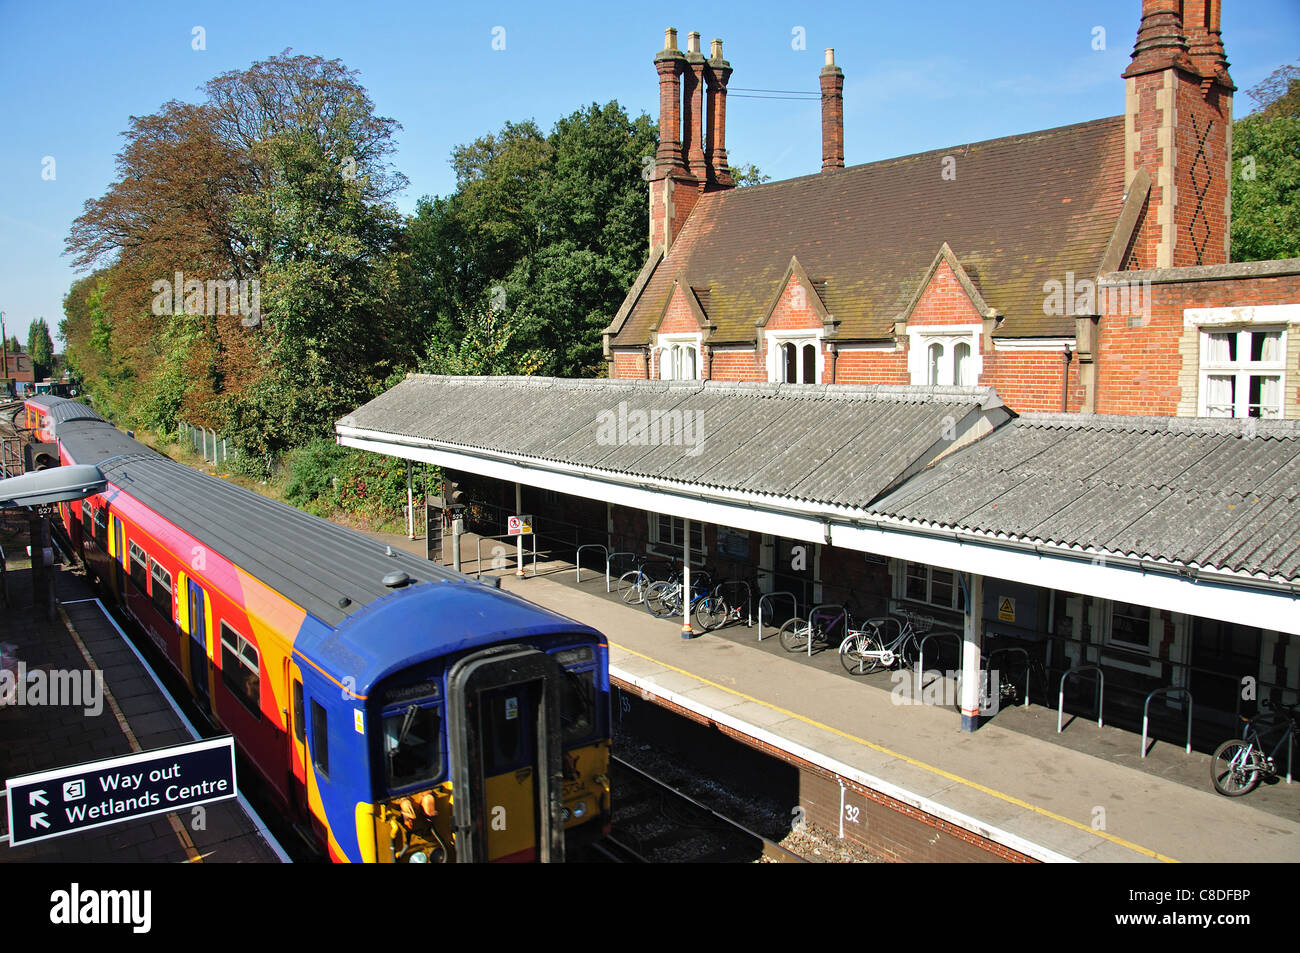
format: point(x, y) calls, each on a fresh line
point(325, 477)
point(41, 348)
point(1266, 172)
point(748, 174)
point(487, 348)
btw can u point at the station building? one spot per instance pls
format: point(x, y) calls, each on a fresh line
point(1015, 385)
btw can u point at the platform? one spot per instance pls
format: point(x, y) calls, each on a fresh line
point(134, 713)
point(1083, 795)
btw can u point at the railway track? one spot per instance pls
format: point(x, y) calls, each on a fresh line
point(655, 822)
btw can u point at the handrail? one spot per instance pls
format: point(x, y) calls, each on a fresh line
point(988, 666)
point(749, 596)
point(1101, 692)
point(1147, 704)
point(609, 561)
point(772, 595)
point(843, 613)
point(577, 561)
point(920, 662)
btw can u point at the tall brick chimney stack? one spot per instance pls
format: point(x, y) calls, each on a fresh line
point(832, 80)
point(669, 64)
point(693, 111)
point(674, 189)
point(717, 74)
point(1178, 127)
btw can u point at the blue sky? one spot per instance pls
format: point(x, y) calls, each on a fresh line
point(917, 77)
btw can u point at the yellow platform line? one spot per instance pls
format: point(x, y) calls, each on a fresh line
point(982, 788)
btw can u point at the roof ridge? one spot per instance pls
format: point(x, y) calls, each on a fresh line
point(1227, 426)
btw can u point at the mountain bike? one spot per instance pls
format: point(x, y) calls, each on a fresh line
point(1240, 764)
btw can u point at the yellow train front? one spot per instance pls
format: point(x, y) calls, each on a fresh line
point(450, 721)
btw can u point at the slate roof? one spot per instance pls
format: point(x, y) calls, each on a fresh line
point(1022, 210)
point(1215, 494)
point(835, 445)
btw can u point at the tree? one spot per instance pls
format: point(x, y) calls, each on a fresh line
point(41, 348)
point(13, 345)
point(1266, 167)
point(748, 174)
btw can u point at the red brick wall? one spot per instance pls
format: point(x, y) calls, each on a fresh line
point(1139, 366)
point(1201, 176)
point(736, 365)
point(1031, 380)
point(872, 367)
point(944, 301)
point(628, 365)
point(678, 318)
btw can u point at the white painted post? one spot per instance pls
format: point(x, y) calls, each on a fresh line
point(970, 657)
point(519, 540)
point(687, 632)
point(410, 502)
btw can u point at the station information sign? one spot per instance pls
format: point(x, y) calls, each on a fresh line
point(77, 798)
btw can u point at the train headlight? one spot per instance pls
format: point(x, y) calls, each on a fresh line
point(418, 857)
point(580, 810)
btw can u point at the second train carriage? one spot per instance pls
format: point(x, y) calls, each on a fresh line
point(404, 712)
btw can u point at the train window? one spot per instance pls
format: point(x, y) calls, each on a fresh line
point(578, 704)
point(162, 589)
point(101, 528)
point(239, 667)
point(298, 731)
point(86, 518)
point(412, 745)
point(320, 746)
point(139, 572)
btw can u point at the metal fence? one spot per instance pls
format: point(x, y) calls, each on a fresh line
point(206, 443)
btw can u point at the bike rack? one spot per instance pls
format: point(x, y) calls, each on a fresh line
point(609, 561)
point(1101, 692)
point(920, 662)
point(577, 561)
point(478, 549)
point(772, 595)
point(988, 666)
point(1147, 704)
point(749, 596)
point(843, 613)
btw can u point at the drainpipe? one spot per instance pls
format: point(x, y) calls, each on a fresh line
point(1065, 380)
point(830, 360)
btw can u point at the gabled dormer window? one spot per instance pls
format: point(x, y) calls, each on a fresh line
point(679, 357)
point(794, 357)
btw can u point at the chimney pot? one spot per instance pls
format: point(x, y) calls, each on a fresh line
point(692, 42)
point(715, 49)
point(830, 57)
point(670, 39)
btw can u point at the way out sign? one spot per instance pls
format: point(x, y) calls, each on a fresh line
point(67, 800)
point(519, 525)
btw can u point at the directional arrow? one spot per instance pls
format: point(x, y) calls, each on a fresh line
point(39, 820)
point(36, 797)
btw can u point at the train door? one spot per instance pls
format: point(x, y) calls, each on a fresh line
point(198, 642)
point(297, 739)
point(117, 558)
point(504, 736)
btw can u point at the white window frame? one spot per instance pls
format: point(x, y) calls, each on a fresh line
point(1155, 635)
point(667, 344)
point(949, 336)
point(774, 341)
point(1242, 369)
point(899, 569)
point(672, 547)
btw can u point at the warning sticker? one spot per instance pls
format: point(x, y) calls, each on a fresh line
point(1007, 609)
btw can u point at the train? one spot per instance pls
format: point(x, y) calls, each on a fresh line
point(397, 711)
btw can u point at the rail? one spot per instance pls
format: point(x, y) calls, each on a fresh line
point(942, 633)
point(478, 551)
point(772, 595)
point(1146, 705)
point(749, 597)
point(1101, 692)
point(609, 567)
point(577, 561)
point(1008, 649)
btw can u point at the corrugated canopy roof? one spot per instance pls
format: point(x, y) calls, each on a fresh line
point(836, 445)
point(1219, 494)
point(1019, 212)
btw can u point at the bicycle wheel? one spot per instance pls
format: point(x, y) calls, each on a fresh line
point(854, 657)
point(632, 586)
point(659, 599)
point(794, 635)
point(711, 612)
point(1237, 768)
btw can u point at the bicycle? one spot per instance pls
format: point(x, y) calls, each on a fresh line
point(868, 648)
point(632, 585)
point(1240, 764)
point(716, 610)
point(794, 635)
point(664, 599)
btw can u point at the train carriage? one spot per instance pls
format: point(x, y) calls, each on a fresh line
point(365, 685)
